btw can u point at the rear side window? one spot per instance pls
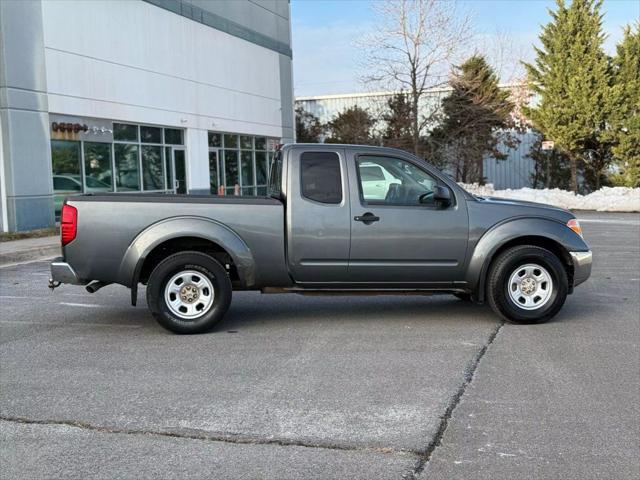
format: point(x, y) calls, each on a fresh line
point(275, 176)
point(321, 177)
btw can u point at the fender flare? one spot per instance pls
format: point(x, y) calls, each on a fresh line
point(184, 226)
point(502, 233)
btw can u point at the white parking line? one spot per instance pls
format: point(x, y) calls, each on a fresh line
point(611, 222)
point(70, 324)
point(88, 305)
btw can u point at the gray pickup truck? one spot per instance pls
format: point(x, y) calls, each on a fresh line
point(338, 219)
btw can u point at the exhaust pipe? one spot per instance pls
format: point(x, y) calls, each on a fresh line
point(96, 285)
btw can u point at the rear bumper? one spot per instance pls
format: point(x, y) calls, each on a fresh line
point(62, 272)
point(581, 266)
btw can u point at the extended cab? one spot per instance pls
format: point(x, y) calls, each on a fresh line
point(338, 218)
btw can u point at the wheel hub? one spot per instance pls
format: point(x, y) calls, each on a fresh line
point(189, 293)
point(530, 286)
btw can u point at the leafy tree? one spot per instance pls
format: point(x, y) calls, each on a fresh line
point(571, 77)
point(411, 48)
point(477, 119)
point(625, 116)
point(398, 131)
point(308, 127)
point(353, 125)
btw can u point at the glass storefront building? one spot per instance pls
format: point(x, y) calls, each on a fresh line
point(106, 96)
point(146, 158)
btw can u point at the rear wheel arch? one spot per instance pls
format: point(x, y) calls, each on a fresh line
point(174, 235)
point(182, 244)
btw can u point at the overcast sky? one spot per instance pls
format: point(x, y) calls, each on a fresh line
point(324, 31)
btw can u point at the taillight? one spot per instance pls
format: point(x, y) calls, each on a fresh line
point(574, 225)
point(68, 224)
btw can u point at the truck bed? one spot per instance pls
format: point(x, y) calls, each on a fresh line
point(108, 224)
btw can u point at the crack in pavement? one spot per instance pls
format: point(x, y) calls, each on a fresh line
point(202, 435)
point(436, 441)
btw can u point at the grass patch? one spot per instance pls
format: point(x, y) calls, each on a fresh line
point(41, 232)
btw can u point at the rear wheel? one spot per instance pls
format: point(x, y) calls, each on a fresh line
point(527, 284)
point(188, 292)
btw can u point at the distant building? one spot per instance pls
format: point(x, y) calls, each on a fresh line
point(179, 96)
point(514, 172)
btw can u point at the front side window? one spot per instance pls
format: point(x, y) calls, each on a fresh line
point(392, 181)
point(321, 177)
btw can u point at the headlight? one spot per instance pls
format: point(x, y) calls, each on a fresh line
point(574, 225)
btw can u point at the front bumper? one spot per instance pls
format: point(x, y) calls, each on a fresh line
point(581, 266)
point(62, 272)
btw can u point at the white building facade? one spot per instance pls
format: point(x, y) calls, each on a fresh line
point(180, 96)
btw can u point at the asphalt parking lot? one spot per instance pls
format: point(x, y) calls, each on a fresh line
point(343, 387)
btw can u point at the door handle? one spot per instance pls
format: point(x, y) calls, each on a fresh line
point(368, 218)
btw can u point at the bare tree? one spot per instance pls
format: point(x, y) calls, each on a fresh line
point(412, 48)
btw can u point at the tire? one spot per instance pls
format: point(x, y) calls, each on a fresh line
point(516, 285)
point(465, 297)
point(189, 292)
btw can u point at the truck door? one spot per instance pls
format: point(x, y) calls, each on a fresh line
point(400, 236)
point(318, 215)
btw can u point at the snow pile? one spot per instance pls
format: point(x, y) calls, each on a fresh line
point(607, 199)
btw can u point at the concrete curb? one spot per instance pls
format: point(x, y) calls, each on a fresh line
point(21, 251)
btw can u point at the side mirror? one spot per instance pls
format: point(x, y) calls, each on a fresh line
point(442, 196)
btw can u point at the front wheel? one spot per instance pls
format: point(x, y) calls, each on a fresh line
point(188, 292)
point(527, 284)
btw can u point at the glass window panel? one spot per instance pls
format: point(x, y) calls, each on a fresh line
point(215, 139)
point(173, 136)
point(249, 191)
point(261, 143)
point(65, 163)
point(150, 134)
point(321, 178)
point(261, 168)
point(152, 168)
point(179, 162)
point(230, 141)
point(261, 191)
point(246, 142)
point(247, 168)
point(65, 157)
point(127, 166)
point(231, 168)
point(125, 132)
point(97, 167)
point(213, 173)
point(271, 143)
point(167, 168)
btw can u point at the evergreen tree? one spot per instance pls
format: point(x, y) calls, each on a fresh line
point(353, 125)
point(625, 115)
point(398, 131)
point(571, 77)
point(550, 167)
point(477, 119)
point(308, 127)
